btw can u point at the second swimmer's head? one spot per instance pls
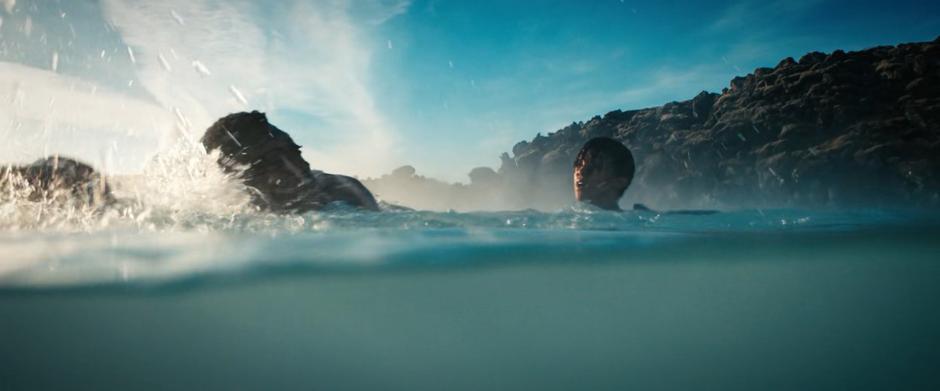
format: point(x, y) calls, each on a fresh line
point(603, 170)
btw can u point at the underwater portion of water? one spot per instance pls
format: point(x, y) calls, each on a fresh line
point(405, 300)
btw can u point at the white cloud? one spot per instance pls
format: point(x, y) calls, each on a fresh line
point(309, 57)
point(198, 60)
point(47, 113)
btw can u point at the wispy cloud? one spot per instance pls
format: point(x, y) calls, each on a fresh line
point(378, 11)
point(46, 113)
point(669, 84)
point(197, 60)
point(755, 13)
point(310, 57)
point(659, 86)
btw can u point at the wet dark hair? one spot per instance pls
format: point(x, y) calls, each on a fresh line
point(609, 153)
point(246, 138)
point(267, 160)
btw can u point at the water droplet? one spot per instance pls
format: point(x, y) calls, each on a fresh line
point(164, 63)
point(234, 139)
point(390, 44)
point(179, 115)
point(201, 68)
point(177, 17)
point(130, 54)
point(237, 94)
point(28, 26)
point(55, 61)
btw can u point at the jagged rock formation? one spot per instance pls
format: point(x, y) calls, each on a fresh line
point(857, 128)
point(270, 163)
point(56, 179)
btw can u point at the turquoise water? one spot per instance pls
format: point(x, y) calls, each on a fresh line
point(576, 299)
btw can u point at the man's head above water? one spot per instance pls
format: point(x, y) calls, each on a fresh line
point(267, 160)
point(603, 170)
point(249, 140)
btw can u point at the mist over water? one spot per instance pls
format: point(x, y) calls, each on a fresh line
point(184, 219)
point(501, 281)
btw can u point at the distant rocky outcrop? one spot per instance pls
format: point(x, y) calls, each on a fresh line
point(837, 129)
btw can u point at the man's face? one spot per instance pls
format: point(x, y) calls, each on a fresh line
point(595, 183)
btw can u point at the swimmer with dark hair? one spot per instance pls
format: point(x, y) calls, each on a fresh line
point(603, 170)
point(270, 163)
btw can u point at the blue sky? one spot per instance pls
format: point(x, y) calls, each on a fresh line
point(368, 85)
point(519, 68)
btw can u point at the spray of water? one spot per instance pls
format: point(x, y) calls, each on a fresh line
point(180, 189)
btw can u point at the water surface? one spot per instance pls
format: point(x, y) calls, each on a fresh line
point(575, 299)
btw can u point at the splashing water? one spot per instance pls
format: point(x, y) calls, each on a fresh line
point(130, 55)
point(633, 300)
point(183, 218)
point(185, 260)
point(238, 95)
point(201, 68)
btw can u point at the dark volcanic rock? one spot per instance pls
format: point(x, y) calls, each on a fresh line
point(57, 179)
point(269, 161)
point(858, 128)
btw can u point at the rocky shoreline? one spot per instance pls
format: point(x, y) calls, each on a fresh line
point(839, 129)
point(844, 129)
